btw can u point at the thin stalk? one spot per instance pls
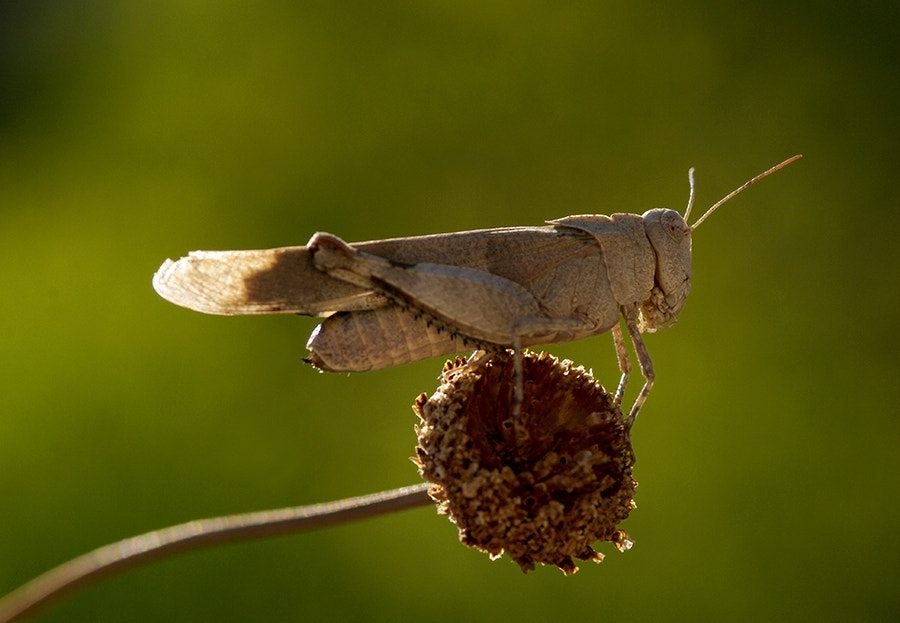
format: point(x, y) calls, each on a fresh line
point(197, 534)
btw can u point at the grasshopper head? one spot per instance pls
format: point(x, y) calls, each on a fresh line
point(670, 237)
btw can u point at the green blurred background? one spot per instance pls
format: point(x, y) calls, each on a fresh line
point(132, 132)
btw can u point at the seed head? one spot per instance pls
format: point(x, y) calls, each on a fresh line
point(541, 487)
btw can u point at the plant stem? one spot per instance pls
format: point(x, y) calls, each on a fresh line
point(194, 535)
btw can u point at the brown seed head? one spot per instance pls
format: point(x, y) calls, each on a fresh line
point(542, 487)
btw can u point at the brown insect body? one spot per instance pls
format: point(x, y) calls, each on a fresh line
point(394, 301)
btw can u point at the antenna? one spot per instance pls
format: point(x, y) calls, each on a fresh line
point(733, 192)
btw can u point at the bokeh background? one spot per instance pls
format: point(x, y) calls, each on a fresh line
point(132, 132)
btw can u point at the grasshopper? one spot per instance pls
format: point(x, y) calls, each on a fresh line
point(394, 301)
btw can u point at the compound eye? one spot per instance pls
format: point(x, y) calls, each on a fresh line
point(674, 224)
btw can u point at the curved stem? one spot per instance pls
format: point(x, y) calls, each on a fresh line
point(193, 535)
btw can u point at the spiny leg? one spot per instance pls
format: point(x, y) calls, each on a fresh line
point(483, 356)
point(519, 396)
point(624, 363)
point(640, 349)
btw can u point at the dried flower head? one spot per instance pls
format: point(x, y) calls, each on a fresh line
point(541, 487)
